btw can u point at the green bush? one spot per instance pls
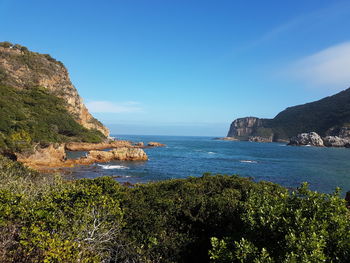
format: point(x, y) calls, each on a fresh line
point(44, 218)
point(302, 226)
point(54, 220)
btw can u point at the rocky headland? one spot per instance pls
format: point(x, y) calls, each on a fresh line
point(43, 116)
point(329, 118)
point(24, 69)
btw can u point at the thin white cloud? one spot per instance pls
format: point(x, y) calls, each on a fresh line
point(306, 20)
point(113, 107)
point(329, 67)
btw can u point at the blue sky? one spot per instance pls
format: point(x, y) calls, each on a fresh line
point(188, 67)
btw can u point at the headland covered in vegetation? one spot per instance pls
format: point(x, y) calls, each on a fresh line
point(328, 117)
point(212, 218)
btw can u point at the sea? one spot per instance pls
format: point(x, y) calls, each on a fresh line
point(184, 156)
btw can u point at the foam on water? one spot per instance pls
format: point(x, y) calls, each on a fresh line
point(109, 167)
point(248, 161)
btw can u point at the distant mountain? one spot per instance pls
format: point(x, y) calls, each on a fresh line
point(328, 116)
point(38, 102)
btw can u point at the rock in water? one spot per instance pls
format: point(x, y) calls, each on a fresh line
point(55, 156)
point(120, 154)
point(335, 141)
point(311, 138)
point(155, 144)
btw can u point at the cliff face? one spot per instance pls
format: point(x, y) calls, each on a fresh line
point(244, 127)
point(23, 69)
point(250, 128)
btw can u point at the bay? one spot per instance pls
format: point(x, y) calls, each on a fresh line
point(184, 156)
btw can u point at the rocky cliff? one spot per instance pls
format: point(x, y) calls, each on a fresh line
point(23, 69)
point(329, 116)
point(250, 128)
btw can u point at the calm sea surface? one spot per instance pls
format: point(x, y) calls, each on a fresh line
point(323, 168)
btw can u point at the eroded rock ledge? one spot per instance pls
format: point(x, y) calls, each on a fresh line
point(82, 146)
point(54, 156)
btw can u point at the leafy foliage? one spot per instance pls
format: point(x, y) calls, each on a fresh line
point(50, 220)
point(211, 218)
point(34, 116)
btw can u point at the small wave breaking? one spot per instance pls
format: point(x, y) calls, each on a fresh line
point(248, 161)
point(110, 167)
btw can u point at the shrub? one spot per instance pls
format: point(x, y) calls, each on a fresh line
point(34, 116)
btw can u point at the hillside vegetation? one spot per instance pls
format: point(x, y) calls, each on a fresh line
point(318, 116)
point(39, 104)
point(207, 219)
point(328, 116)
point(33, 115)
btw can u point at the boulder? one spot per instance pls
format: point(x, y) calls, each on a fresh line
point(311, 138)
point(335, 141)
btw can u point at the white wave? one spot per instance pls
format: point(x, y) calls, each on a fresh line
point(211, 153)
point(108, 166)
point(248, 161)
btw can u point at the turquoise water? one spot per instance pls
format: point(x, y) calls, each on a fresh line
point(323, 168)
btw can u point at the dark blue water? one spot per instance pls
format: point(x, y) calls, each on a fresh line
point(323, 168)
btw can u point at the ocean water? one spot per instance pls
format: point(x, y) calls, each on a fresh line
point(184, 156)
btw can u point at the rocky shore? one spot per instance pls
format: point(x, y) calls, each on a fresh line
point(55, 156)
point(313, 139)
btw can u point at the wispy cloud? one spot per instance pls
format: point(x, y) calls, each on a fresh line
point(306, 20)
point(113, 107)
point(329, 67)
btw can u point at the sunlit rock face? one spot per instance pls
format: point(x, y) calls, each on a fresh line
point(24, 69)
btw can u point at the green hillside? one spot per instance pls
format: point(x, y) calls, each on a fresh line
point(30, 116)
point(318, 116)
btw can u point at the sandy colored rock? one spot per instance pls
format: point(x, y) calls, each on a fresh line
point(155, 144)
point(54, 156)
point(51, 156)
point(82, 146)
